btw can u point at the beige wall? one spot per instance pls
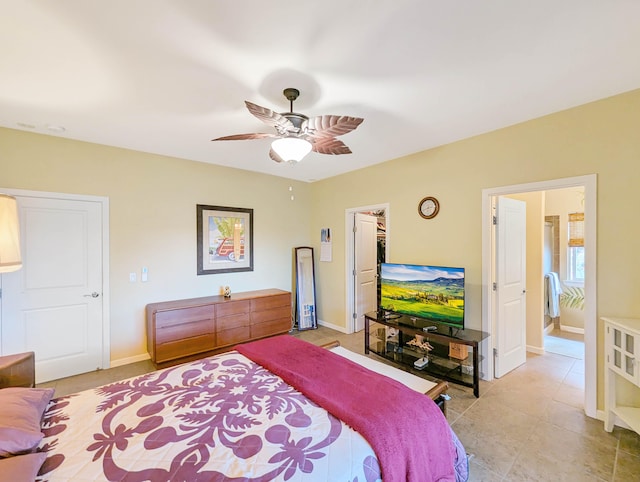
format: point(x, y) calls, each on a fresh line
point(153, 220)
point(601, 138)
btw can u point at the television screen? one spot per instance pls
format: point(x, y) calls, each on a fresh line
point(435, 293)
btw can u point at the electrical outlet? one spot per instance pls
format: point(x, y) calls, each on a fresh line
point(132, 278)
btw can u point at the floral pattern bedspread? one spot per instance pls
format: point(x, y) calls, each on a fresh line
point(220, 418)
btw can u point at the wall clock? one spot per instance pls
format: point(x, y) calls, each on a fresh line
point(428, 207)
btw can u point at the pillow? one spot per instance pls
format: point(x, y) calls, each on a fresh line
point(21, 468)
point(21, 411)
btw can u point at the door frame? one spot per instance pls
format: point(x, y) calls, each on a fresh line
point(104, 205)
point(589, 182)
point(350, 278)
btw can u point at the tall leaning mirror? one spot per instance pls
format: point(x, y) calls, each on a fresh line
point(305, 289)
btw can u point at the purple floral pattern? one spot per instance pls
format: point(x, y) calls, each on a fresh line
point(220, 418)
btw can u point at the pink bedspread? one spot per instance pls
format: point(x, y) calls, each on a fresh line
point(222, 418)
point(407, 431)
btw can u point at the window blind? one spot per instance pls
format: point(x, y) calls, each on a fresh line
point(576, 230)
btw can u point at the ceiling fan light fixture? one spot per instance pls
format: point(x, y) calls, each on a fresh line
point(297, 134)
point(291, 149)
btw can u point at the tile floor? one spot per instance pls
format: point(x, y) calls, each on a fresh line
point(564, 343)
point(527, 426)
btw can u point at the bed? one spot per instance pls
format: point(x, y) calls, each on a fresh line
point(277, 409)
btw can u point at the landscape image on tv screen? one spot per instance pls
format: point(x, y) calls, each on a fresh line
point(435, 293)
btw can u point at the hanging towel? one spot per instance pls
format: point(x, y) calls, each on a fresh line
point(552, 293)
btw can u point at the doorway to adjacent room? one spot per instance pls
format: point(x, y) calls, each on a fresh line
point(490, 318)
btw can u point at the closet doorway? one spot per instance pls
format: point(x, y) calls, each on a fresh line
point(366, 248)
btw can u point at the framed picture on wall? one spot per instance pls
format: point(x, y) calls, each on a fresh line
point(224, 239)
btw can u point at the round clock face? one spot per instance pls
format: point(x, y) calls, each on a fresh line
point(428, 207)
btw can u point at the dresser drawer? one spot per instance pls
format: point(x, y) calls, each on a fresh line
point(185, 347)
point(272, 327)
point(180, 330)
point(232, 308)
point(232, 321)
point(184, 330)
point(183, 315)
point(269, 302)
point(272, 314)
point(233, 336)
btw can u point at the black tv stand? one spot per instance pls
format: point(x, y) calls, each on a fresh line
point(461, 369)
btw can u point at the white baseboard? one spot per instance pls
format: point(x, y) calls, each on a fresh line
point(535, 349)
point(571, 329)
point(341, 329)
point(131, 359)
point(548, 329)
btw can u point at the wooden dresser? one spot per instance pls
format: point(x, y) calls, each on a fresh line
point(183, 330)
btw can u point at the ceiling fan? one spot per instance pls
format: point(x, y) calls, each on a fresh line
point(296, 134)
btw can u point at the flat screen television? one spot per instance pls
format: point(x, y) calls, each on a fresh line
point(433, 293)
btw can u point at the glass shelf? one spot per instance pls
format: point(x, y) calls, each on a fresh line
point(389, 337)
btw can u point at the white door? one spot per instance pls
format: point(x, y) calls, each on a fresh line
point(366, 268)
point(511, 349)
point(53, 305)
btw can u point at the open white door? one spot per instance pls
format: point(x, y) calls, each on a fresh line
point(510, 343)
point(53, 305)
point(366, 266)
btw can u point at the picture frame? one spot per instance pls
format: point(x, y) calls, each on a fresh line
point(224, 239)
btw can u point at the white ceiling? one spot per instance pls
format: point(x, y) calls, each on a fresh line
point(167, 76)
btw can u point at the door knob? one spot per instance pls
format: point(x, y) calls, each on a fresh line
point(92, 295)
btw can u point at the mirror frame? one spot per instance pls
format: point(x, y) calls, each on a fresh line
point(306, 314)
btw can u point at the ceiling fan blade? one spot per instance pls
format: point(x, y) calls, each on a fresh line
point(268, 116)
point(274, 155)
point(329, 145)
point(332, 125)
point(244, 137)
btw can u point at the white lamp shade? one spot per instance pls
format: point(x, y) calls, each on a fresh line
point(10, 259)
point(291, 149)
